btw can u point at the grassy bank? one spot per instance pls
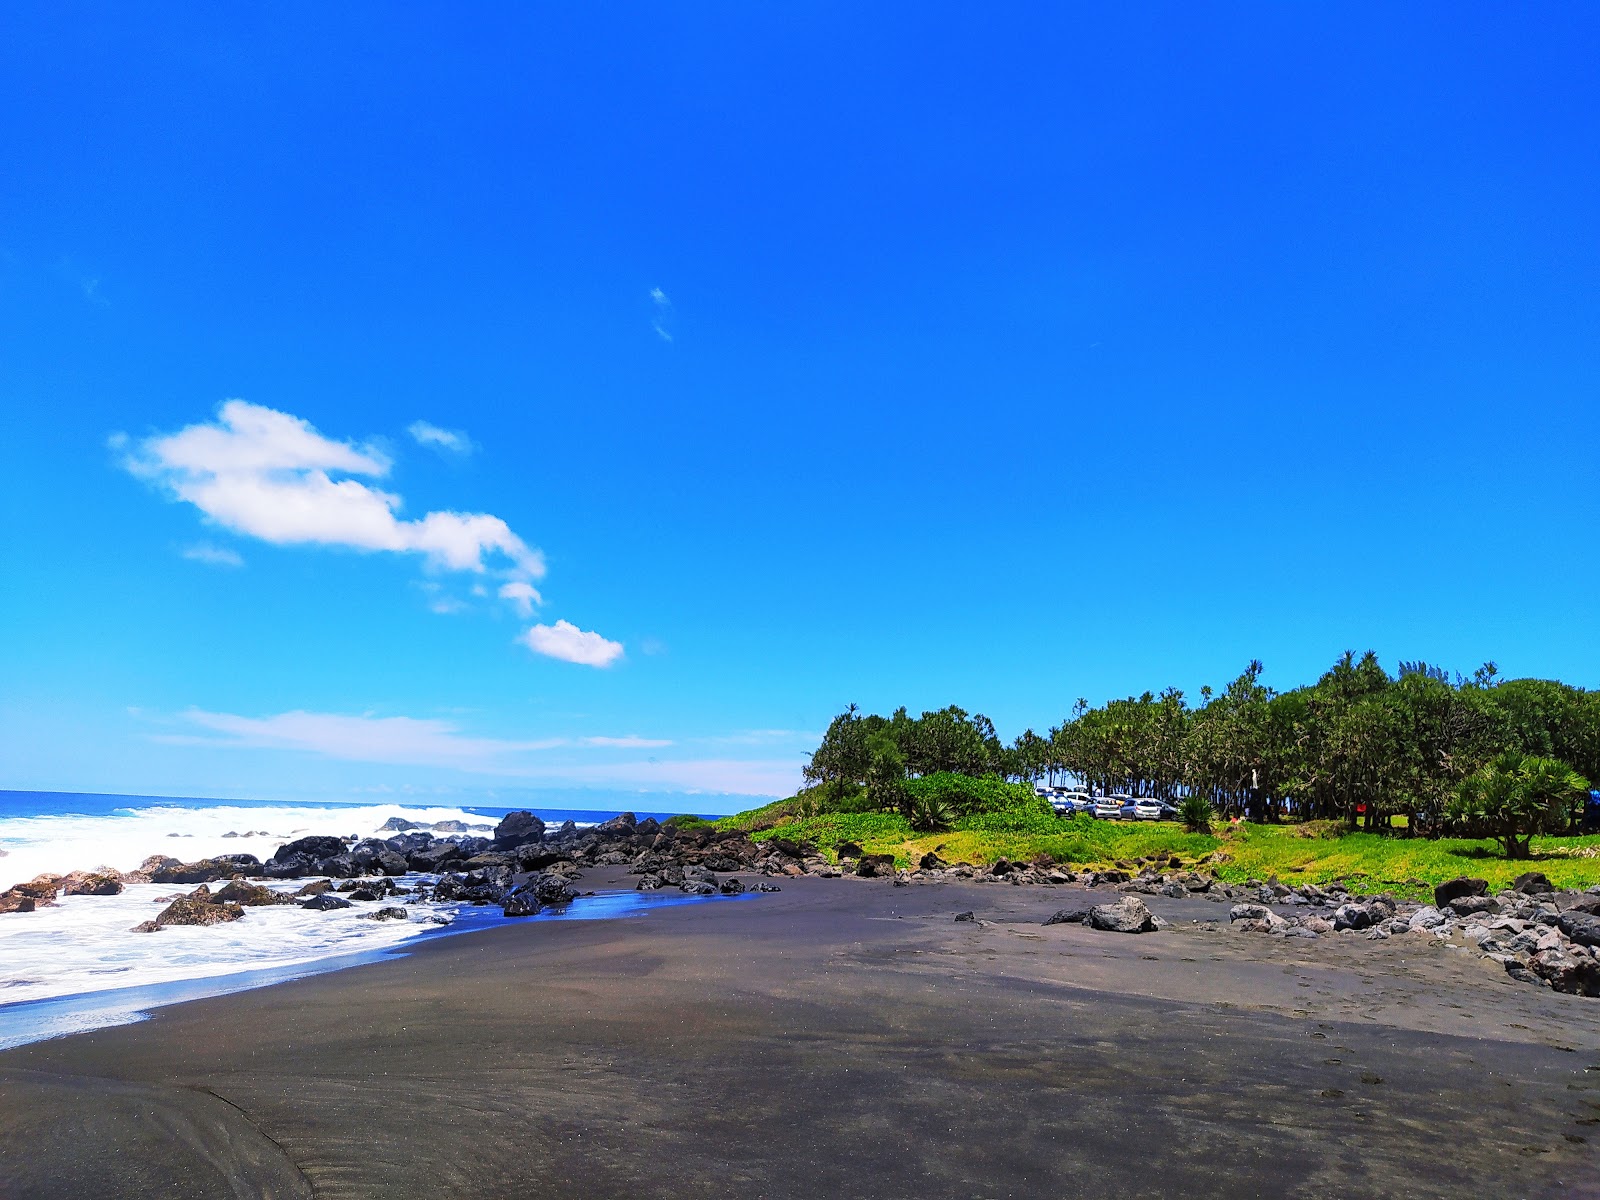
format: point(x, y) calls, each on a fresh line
point(1291, 853)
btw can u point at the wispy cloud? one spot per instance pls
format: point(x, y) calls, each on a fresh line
point(524, 597)
point(455, 441)
point(431, 742)
point(269, 475)
point(408, 741)
point(663, 314)
point(215, 556)
point(567, 642)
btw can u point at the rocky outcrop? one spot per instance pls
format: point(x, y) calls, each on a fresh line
point(517, 829)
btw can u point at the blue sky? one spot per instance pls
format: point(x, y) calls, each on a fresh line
point(887, 354)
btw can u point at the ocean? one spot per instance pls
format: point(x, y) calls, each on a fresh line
point(76, 964)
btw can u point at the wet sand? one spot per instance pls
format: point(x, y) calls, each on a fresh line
point(842, 1037)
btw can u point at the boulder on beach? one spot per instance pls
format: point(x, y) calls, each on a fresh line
point(1458, 888)
point(1532, 883)
point(519, 906)
point(870, 866)
point(314, 847)
point(1067, 916)
point(1128, 915)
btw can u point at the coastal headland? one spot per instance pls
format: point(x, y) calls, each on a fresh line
point(843, 1036)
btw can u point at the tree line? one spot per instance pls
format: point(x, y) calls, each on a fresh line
point(1360, 745)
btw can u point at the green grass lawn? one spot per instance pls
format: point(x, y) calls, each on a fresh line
point(1365, 862)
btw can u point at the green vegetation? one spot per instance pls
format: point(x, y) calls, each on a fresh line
point(687, 821)
point(1517, 795)
point(1314, 852)
point(1196, 814)
point(1383, 782)
point(1358, 746)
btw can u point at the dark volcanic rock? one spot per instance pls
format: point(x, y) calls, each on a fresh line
point(548, 889)
point(431, 860)
point(931, 862)
point(315, 888)
point(393, 913)
point(843, 850)
point(326, 902)
point(791, 848)
point(1466, 906)
point(1567, 972)
point(249, 895)
point(199, 909)
point(1455, 889)
point(648, 827)
point(319, 846)
point(1583, 928)
point(1128, 915)
point(697, 887)
point(96, 884)
point(1532, 883)
point(15, 902)
point(1067, 916)
point(869, 866)
point(518, 828)
point(519, 906)
point(648, 883)
point(970, 916)
point(224, 866)
point(397, 825)
point(621, 823)
point(730, 887)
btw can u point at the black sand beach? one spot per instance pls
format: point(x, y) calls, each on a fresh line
point(843, 1037)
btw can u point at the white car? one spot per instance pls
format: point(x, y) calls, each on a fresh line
point(1108, 808)
point(1069, 804)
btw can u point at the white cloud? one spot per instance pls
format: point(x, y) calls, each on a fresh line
point(567, 642)
point(424, 433)
point(216, 556)
point(663, 314)
point(523, 596)
point(402, 740)
point(266, 474)
point(430, 742)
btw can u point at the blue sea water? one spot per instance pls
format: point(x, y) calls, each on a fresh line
point(96, 804)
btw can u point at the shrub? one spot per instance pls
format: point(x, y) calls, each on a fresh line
point(1195, 812)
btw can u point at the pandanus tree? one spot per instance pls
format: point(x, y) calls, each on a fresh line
point(1517, 795)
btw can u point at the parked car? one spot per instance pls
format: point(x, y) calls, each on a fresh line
point(1147, 809)
point(1108, 808)
point(1070, 804)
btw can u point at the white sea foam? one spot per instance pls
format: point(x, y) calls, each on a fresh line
point(68, 842)
point(85, 944)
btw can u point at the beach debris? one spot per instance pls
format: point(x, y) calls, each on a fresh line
point(970, 917)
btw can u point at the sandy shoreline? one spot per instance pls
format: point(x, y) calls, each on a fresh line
point(842, 1036)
